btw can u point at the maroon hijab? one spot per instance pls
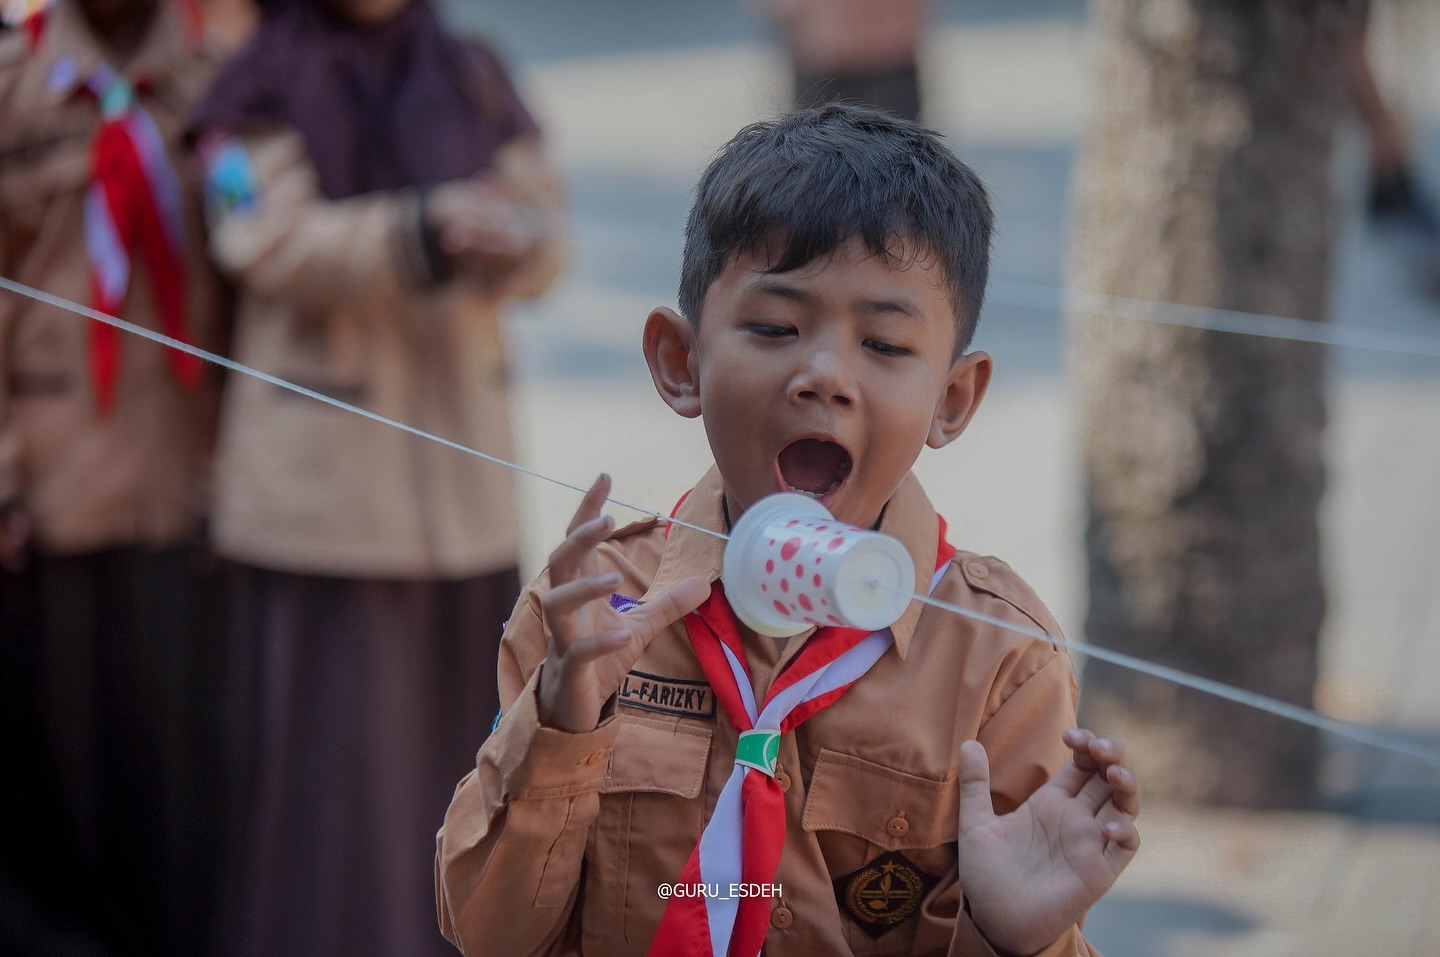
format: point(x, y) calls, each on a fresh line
point(382, 106)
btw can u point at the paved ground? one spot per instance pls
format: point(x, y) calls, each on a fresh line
point(637, 94)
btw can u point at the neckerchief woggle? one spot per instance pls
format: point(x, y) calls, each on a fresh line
point(743, 839)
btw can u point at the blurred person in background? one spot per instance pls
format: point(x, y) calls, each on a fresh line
point(853, 51)
point(1399, 204)
point(109, 637)
point(377, 192)
point(230, 22)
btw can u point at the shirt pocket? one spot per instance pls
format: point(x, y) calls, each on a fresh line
point(650, 820)
point(888, 838)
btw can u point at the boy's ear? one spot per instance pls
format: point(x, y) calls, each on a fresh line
point(965, 387)
point(670, 354)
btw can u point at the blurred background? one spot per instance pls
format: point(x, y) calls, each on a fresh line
point(635, 96)
point(1243, 507)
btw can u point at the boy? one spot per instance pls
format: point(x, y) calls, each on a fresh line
point(105, 441)
point(835, 261)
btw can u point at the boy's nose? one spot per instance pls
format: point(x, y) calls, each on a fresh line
point(823, 377)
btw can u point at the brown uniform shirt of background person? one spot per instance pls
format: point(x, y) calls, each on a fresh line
point(557, 842)
point(138, 474)
point(336, 299)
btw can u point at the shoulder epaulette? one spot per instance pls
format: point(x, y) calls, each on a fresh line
point(991, 575)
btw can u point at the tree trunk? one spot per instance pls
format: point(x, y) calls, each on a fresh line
point(1205, 181)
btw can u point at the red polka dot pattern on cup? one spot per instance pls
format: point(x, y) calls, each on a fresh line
point(807, 551)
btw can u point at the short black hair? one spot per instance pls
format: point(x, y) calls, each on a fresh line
point(810, 180)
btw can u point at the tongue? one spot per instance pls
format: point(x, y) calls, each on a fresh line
point(811, 465)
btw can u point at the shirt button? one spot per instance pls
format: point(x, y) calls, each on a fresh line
point(782, 917)
point(897, 826)
point(978, 569)
point(783, 779)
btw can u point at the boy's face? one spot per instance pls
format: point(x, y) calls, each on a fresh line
point(827, 380)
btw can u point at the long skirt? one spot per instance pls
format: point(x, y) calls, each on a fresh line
point(112, 687)
point(358, 705)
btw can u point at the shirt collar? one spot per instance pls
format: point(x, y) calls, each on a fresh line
point(70, 52)
point(909, 518)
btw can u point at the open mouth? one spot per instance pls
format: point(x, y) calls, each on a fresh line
point(813, 467)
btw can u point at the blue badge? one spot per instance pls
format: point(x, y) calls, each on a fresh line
point(230, 181)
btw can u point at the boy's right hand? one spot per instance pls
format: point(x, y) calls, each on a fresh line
point(591, 646)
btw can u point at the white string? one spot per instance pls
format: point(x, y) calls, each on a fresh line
point(1239, 695)
point(164, 340)
point(1213, 319)
point(1031, 295)
point(1275, 706)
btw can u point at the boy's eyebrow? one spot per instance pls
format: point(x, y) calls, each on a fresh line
point(877, 307)
point(767, 285)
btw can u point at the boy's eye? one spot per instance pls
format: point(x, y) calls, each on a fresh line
point(769, 330)
point(886, 348)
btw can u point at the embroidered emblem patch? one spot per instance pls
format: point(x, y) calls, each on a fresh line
point(680, 697)
point(883, 893)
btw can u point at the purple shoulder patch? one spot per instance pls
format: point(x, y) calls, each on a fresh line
point(622, 604)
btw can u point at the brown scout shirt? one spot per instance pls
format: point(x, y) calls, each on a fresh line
point(335, 297)
point(557, 842)
point(137, 475)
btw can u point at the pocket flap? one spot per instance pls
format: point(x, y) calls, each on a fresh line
point(871, 801)
point(667, 759)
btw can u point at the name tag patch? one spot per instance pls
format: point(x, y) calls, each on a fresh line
point(680, 697)
point(881, 895)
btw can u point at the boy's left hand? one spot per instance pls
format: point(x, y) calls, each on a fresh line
point(1029, 875)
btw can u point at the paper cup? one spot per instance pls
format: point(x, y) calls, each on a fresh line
point(789, 566)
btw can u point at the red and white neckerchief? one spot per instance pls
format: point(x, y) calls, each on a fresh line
point(133, 204)
point(743, 839)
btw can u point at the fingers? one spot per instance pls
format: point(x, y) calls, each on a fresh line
point(573, 579)
point(1107, 789)
point(575, 555)
point(1097, 774)
point(1117, 825)
point(1093, 753)
point(563, 600)
point(1074, 775)
point(1122, 833)
point(591, 503)
point(1126, 790)
point(588, 528)
point(593, 647)
point(976, 806)
point(669, 606)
